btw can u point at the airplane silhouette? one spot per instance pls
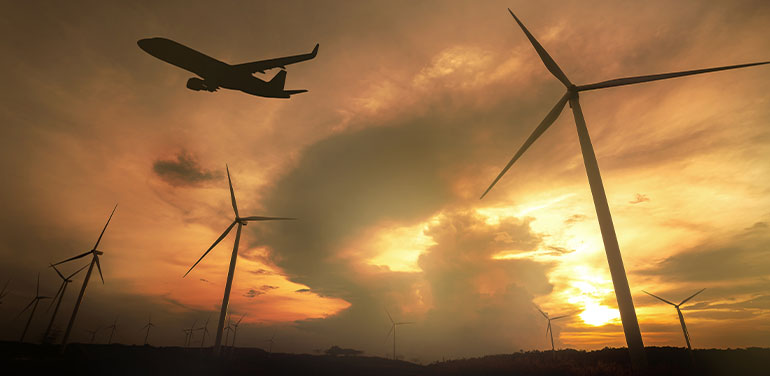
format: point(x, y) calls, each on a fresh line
point(215, 74)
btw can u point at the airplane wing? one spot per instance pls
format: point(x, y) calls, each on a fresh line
point(281, 62)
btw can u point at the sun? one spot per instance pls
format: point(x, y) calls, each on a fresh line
point(596, 314)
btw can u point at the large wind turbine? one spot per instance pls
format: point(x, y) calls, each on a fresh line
point(271, 341)
point(65, 281)
point(679, 312)
point(189, 332)
point(617, 270)
point(549, 330)
point(93, 333)
point(35, 301)
point(240, 221)
point(393, 330)
point(94, 260)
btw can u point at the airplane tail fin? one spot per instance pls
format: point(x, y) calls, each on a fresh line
point(278, 81)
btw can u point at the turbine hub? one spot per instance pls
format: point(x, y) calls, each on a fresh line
point(98, 253)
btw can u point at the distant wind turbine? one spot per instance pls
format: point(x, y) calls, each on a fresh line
point(228, 329)
point(60, 295)
point(679, 312)
point(617, 270)
point(240, 221)
point(549, 329)
point(189, 332)
point(95, 253)
point(271, 341)
point(93, 334)
point(4, 292)
point(205, 329)
point(148, 327)
point(35, 301)
point(393, 330)
point(112, 328)
point(235, 328)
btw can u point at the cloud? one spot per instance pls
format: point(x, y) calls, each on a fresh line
point(264, 289)
point(302, 291)
point(736, 257)
point(184, 171)
point(575, 218)
point(639, 199)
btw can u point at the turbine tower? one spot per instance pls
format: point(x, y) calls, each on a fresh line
point(240, 221)
point(393, 330)
point(549, 330)
point(60, 294)
point(189, 332)
point(148, 327)
point(617, 270)
point(679, 312)
point(94, 260)
point(35, 301)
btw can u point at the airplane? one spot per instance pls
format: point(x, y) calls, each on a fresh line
point(215, 74)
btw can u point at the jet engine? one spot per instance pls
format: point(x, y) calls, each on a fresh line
point(197, 84)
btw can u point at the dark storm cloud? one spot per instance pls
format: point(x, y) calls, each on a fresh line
point(745, 255)
point(184, 171)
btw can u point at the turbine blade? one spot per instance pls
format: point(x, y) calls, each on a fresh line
point(99, 267)
point(78, 271)
point(559, 317)
point(37, 287)
point(654, 296)
point(389, 317)
point(56, 270)
point(548, 329)
point(691, 296)
point(547, 121)
point(663, 76)
point(239, 320)
point(541, 312)
point(544, 56)
point(232, 193)
point(405, 322)
point(105, 227)
point(73, 258)
point(227, 231)
point(27, 307)
point(61, 287)
point(268, 219)
point(389, 331)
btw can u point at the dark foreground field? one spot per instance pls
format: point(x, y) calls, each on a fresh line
point(28, 359)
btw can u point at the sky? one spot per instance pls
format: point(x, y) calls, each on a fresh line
point(413, 108)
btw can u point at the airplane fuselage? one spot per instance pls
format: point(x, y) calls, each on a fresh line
point(212, 72)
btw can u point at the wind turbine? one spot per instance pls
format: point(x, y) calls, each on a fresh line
point(148, 327)
point(32, 304)
point(113, 327)
point(235, 328)
point(228, 329)
point(617, 270)
point(189, 332)
point(549, 330)
point(205, 329)
point(271, 341)
point(393, 330)
point(240, 221)
point(4, 292)
point(679, 312)
point(94, 260)
point(60, 294)
point(93, 333)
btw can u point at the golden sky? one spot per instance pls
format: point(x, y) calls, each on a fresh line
point(413, 108)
